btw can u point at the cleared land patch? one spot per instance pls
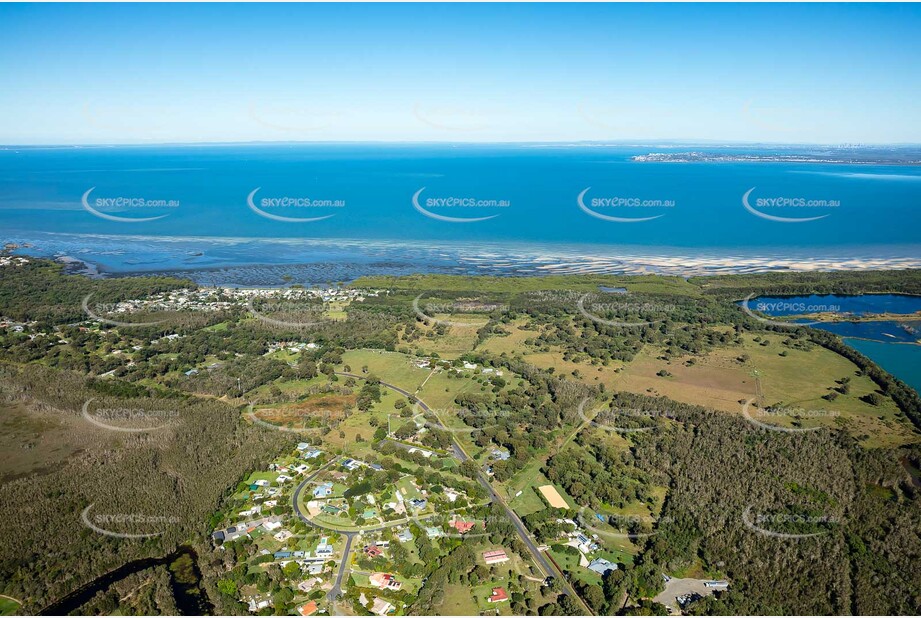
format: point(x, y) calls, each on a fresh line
point(553, 497)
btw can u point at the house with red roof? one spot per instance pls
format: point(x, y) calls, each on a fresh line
point(372, 551)
point(384, 581)
point(498, 595)
point(462, 526)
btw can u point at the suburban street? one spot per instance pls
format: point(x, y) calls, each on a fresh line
point(336, 590)
point(540, 559)
point(350, 535)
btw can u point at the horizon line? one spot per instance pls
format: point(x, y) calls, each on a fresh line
point(623, 142)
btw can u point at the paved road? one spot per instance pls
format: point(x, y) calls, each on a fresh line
point(336, 591)
point(407, 447)
point(540, 559)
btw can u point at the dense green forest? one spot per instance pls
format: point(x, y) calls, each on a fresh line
point(861, 506)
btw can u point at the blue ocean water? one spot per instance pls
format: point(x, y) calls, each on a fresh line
point(892, 344)
point(525, 199)
point(885, 331)
point(901, 360)
point(857, 305)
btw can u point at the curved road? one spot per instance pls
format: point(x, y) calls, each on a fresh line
point(540, 559)
point(336, 591)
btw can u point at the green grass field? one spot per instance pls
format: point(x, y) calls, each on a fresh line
point(799, 380)
point(9, 606)
point(528, 502)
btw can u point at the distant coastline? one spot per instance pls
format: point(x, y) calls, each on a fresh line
point(829, 158)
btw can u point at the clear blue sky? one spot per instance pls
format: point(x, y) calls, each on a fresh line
point(486, 72)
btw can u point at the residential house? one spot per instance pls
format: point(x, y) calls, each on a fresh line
point(405, 536)
point(324, 549)
point(495, 556)
point(498, 595)
point(380, 607)
point(384, 581)
point(461, 526)
point(315, 568)
point(602, 566)
point(372, 551)
point(256, 604)
point(323, 491)
point(501, 454)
